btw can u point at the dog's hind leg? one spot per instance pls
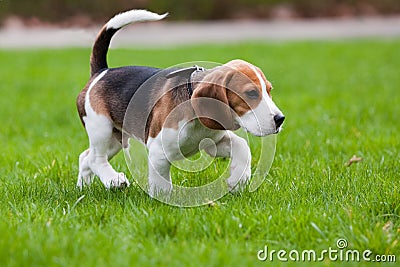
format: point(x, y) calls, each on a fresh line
point(85, 173)
point(103, 146)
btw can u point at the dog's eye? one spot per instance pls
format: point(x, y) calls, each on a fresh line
point(252, 94)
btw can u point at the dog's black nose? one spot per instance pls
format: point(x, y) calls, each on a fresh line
point(278, 120)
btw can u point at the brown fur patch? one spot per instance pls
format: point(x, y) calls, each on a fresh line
point(212, 115)
point(159, 114)
point(245, 80)
point(267, 83)
point(163, 114)
point(246, 69)
point(97, 101)
point(80, 103)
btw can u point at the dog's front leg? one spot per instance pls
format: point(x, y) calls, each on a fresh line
point(236, 148)
point(159, 171)
point(240, 164)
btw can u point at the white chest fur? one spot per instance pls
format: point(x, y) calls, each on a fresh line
point(184, 141)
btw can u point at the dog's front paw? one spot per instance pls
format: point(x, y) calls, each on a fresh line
point(239, 185)
point(237, 188)
point(120, 181)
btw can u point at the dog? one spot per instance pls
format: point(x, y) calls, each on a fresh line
point(219, 100)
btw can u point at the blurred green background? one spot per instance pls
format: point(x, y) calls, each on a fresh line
point(88, 11)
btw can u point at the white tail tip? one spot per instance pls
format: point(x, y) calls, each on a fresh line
point(132, 16)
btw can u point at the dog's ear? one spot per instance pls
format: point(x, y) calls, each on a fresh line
point(210, 100)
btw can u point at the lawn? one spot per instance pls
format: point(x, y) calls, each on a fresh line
point(340, 99)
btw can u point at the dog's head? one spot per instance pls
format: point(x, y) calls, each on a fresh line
point(236, 95)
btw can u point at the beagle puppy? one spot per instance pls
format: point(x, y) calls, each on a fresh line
point(177, 110)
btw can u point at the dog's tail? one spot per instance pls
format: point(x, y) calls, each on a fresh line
point(98, 59)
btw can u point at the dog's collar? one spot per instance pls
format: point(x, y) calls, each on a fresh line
point(190, 71)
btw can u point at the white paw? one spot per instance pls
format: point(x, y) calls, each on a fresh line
point(119, 182)
point(79, 183)
point(84, 180)
point(239, 185)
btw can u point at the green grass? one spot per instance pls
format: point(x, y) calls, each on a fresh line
point(340, 99)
